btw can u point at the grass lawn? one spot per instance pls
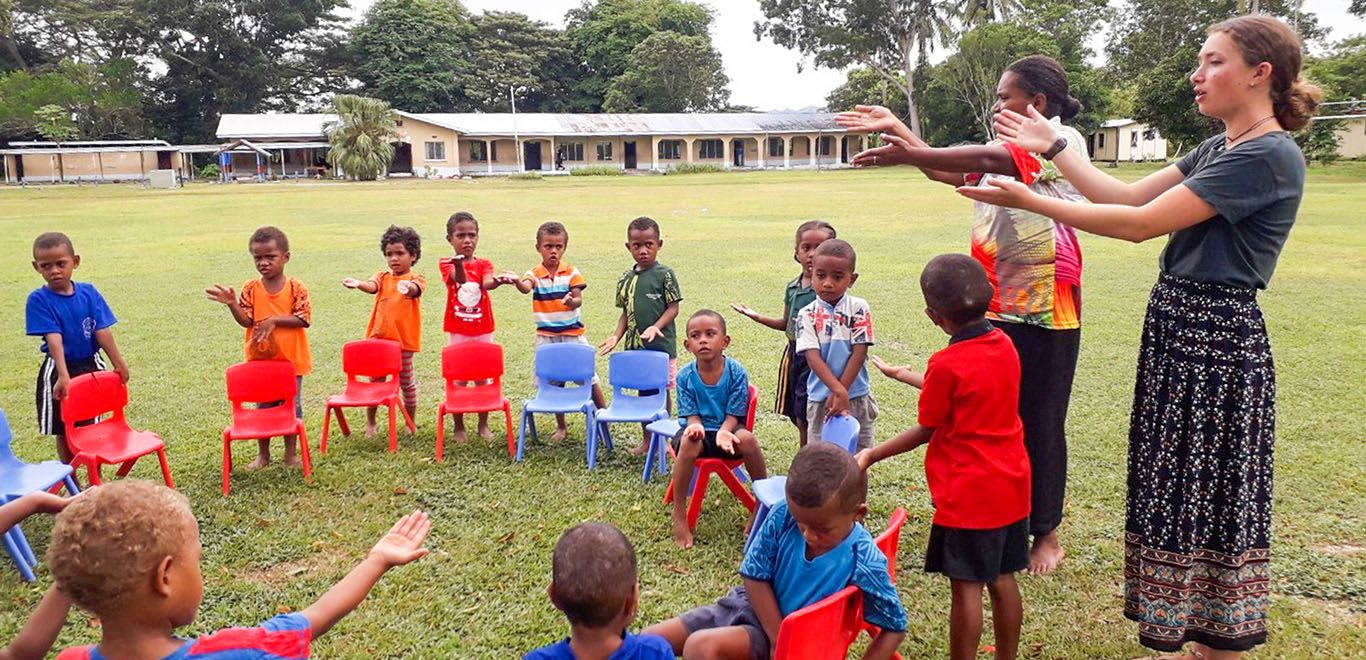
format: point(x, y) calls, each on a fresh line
point(278, 543)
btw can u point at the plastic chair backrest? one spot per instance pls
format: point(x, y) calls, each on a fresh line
point(94, 394)
point(7, 457)
point(823, 630)
point(841, 430)
point(638, 370)
point(890, 539)
point(472, 362)
point(565, 363)
point(261, 381)
point(753, 407)
point(372, 358)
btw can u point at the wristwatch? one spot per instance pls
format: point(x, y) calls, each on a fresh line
point(1058, 146)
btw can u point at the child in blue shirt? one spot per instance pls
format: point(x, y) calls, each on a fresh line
point(74, 321)
point(713, 402)
point(593, 581)
point(808, 548)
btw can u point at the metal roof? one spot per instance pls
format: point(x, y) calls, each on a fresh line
point(47, 144)
point(1117, 123)
point(535, 124)
point(29, 151)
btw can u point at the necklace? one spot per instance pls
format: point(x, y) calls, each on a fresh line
point(1228, 141)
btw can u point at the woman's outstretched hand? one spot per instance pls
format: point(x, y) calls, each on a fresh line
point(1000, 192)
point(1032, 133)
point(868, 118)
point(895, 151)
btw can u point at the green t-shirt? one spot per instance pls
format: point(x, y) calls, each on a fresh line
point(643, 296)
point(794, 299)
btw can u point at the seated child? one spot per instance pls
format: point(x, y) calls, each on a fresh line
point(976, 465)
point(74, 322)
point(792, 370)
point(276, 312)
point(128, 552)
point(397, 314)
point(37, 636)
point(808, 548)
point(834, 333)
point(556, 289)
point(713, 402)
point(593, 581)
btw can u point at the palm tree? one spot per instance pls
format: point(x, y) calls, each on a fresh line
point(979, 12)
point(361, 136)
point(54, 123)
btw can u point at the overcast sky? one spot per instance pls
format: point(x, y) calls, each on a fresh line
point(765, 75)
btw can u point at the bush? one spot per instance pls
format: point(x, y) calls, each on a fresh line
point(209, 171)
point(597, 170)
point(695, 168)
point(526, 176)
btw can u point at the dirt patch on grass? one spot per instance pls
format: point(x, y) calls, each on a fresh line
point(1344, 550)
point(324, 560)
point(1339, 611)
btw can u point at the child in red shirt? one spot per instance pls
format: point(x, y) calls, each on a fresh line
point(468, 315)
point(976, 465)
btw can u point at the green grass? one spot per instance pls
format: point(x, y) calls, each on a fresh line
point(278, 543)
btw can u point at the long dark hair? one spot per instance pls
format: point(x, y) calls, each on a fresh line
point(1041, 74)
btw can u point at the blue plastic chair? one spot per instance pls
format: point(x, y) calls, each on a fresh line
point(841, 430)
point(642, 371)
point(17, 479)
point(564, 384)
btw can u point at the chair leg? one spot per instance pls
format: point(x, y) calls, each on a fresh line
point(227, 463)
point(440, 430)
point(408, 419)
point(70, 483)
point(25, 549)
point(507, 424)
point(521, 437)
point(649, 460)
point(12, 547)
point(393, 429)
point(590, 430)
point(303, 451)
point(327, 418)
point(741, 493)
point(531, 421)
point(92, 472)
point(699, 493)
point(341, 421)
point(165, 468)
point(126, 468)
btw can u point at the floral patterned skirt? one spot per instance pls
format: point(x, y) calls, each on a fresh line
point(1197, 541)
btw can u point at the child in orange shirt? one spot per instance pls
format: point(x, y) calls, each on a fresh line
point(275, 311)
point(398, 312)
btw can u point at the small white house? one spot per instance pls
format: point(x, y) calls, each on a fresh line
point(1127, 140)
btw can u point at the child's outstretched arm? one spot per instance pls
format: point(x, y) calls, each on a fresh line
point(906, 441)
point(611, 342)
point(368, 286)
point(225, 295)
point(574, 299)
point(766, 321)
point(403, 544)
point(491, 281)
point(16, 511)
point(105, 338)
point(654, 331)
point(36, 638)
point(904, 374)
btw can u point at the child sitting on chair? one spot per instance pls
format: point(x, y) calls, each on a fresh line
point(976, 465)
point(713, 402)
point(808, 548)
point(128, 552)
point(593, 581)
point(397, 314)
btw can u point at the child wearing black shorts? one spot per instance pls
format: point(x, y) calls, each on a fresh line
point(792, 370)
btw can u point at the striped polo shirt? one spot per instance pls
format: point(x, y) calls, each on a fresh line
point(547, 300)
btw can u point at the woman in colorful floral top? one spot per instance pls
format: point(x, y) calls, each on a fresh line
point(1033, 263)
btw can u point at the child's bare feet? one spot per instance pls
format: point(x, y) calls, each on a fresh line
point(261, 461)
point(292, 460)
point(458, 435)
point(559, 434)
point(369, 429)
point(644, 446)
point(485, 432)
point(1045, 554)
point(682, 533)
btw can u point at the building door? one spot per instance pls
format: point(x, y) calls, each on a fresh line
point(164, 160)
point(737, 149)
point(403, 159)
point(844, 149)
point(531, 155)
point(19, 169)
point(629, 154)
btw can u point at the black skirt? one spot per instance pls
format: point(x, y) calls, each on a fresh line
point(792, 377)
point(1198, 514)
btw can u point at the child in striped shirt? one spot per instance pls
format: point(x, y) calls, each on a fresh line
point(556, 289)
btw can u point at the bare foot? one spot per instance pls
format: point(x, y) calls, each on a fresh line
point(292, 460)
point(458, 435)
point(370, 430)
point(640, 449)
point(261, 461)
point(682, 533)
point(485, 432)
point(559, 434)
point(1045, 555)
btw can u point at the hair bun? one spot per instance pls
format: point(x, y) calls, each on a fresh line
point(1071, 108)
point(1298, 105)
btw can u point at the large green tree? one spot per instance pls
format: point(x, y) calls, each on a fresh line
point(1342, 71)
point(962, 89)
point(102, 101)
point(1358, 7)
point(889, 36)
point(606, 32)
point(511, 50)
point(1163, 100)
point(863, 85)
point(670, 72)
point(415, 54)
point(980, 12)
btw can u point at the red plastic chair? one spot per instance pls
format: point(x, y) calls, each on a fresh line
point(823, 630)
point(474, 384)
point(258, 382)
point(724, 468)
point(109, 440)
point(890, 540)
point(380, 361)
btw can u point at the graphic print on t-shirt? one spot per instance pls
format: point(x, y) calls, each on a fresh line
point(467, 299)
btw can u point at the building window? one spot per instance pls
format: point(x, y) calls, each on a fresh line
point(478, 151)
point(1102, 141)
point(825, 145)
point(775, 147)
point(1133, 139)
point(670, 149)
point(398, 122)
point(604, 151)
point(435, 150)
point(715, 149)
point(493, 150)
point(1150, 134)
point(573, 151)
